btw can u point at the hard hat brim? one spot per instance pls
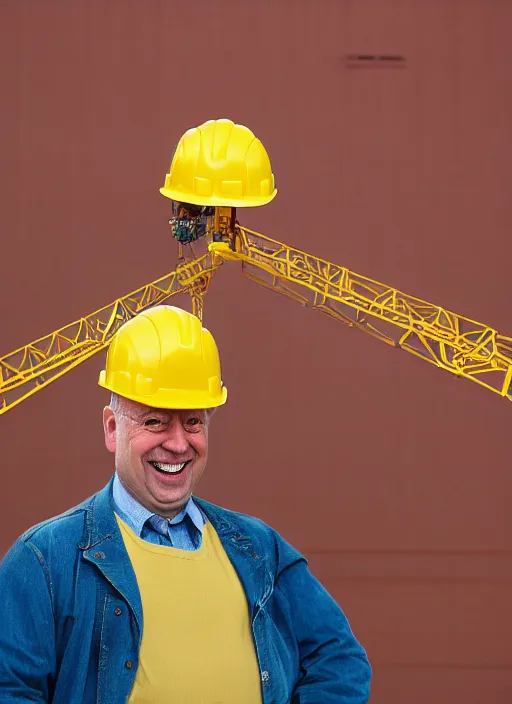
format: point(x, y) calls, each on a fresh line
point(248, 202)
point(172, 399)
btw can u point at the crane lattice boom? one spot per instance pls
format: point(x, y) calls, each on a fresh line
point(34, 366)
point(452, 342)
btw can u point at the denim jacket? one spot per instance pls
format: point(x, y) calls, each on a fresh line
point(71, 615)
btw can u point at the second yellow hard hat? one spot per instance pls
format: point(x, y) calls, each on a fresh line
point(164, 358)
point(220, 163)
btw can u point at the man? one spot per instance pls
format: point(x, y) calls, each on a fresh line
point(144, 592)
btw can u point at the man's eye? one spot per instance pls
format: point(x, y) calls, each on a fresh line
point(152, 421)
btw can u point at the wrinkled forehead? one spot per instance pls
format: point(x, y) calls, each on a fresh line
point(137, 410)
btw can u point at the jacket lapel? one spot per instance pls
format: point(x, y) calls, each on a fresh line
point(103, 546)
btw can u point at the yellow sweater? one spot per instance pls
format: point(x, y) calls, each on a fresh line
point(197, 645)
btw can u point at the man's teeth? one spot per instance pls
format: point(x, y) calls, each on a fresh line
point(171, 468)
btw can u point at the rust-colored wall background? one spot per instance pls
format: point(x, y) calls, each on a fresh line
point(392, 476)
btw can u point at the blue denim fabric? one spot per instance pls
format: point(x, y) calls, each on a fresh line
point(71, 616)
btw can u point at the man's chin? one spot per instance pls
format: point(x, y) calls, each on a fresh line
point(169, 501)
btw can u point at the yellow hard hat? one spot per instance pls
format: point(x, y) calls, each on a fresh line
point(220, 163)
point(164, 358)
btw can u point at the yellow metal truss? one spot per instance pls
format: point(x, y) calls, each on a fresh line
point(459, 345)
point(452, 342)
point(34, 366)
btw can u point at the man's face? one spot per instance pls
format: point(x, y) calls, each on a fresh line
point(160, 455)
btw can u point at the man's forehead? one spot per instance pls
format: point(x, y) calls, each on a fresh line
point(142, 410)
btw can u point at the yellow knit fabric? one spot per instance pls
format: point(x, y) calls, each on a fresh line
point(197, 645)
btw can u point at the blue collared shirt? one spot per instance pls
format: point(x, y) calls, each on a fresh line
point(184, 534)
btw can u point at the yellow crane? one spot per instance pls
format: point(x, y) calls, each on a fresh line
point(452, 342)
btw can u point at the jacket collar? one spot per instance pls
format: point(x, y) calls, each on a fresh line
point(101, 525)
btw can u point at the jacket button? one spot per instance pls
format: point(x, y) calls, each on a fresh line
point(117, 611)
point(128, 664)
point(99, 555)
point(265, 676)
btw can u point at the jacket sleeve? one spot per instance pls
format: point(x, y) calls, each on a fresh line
point(27, 633)
point(334, 668)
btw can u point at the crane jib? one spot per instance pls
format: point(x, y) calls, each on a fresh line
point(459, 345)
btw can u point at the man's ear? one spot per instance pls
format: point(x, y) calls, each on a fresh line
point(109, 428)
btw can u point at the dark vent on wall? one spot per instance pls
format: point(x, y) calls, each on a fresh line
point(375, 61)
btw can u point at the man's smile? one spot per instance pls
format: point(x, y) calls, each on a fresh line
point(167, 468)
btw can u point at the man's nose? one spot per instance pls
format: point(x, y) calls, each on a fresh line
point(176, 439)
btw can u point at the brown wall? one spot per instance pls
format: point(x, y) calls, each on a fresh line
point(392, 476)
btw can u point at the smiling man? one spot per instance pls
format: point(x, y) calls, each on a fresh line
point(145, 593)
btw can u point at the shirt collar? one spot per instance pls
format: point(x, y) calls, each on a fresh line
point(133, 513)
